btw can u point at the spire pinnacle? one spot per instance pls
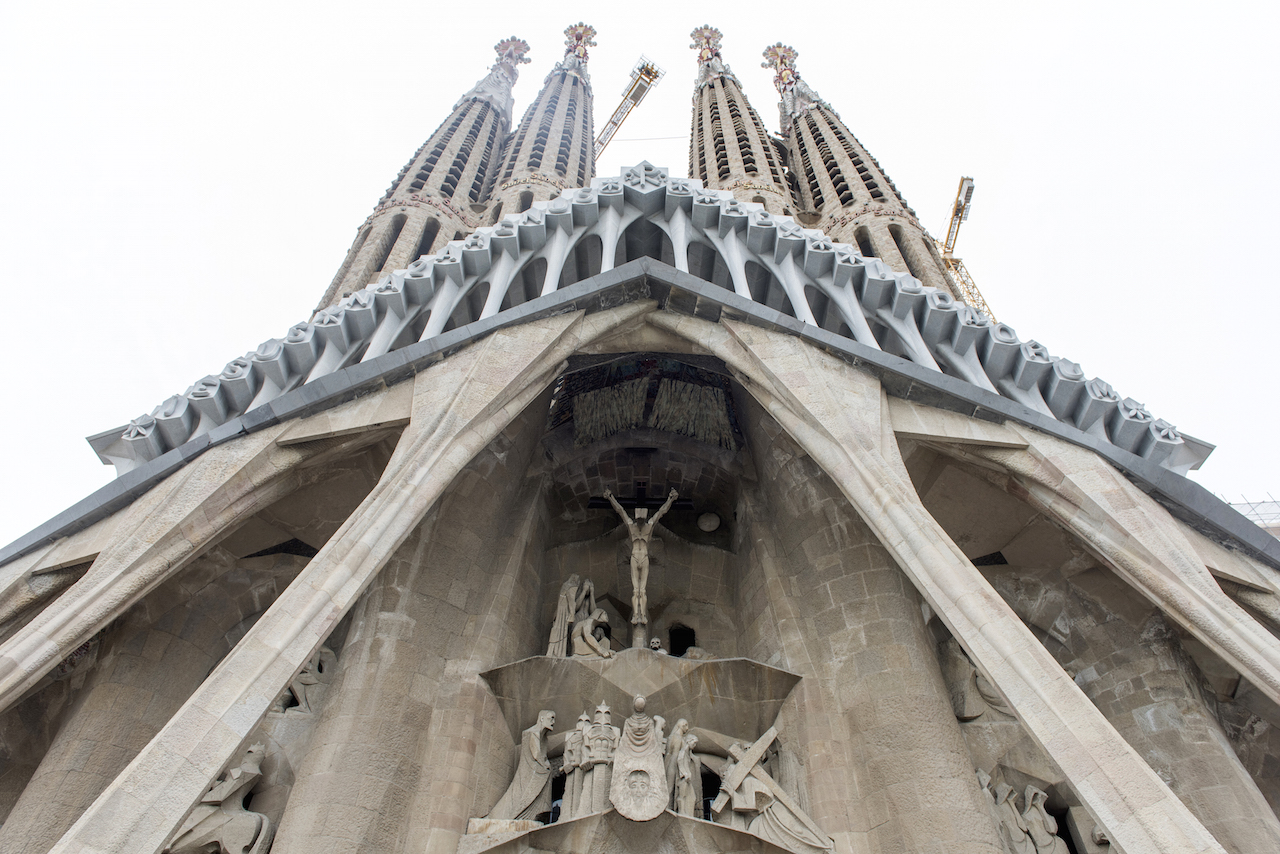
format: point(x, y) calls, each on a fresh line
point(511, 52)
point(706, 41)
point(781, 58)
point(796, 94)
point(496, 87)
point(577, 39)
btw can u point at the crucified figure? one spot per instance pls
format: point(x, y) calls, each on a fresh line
point(640, 536)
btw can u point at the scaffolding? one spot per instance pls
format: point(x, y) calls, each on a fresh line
point(643, 78)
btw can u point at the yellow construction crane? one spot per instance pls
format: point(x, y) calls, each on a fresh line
point(963, 281)
point(643, 78)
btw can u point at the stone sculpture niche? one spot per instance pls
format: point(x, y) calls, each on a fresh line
point(309, 686)
point(1032, 831)
point(220, 823)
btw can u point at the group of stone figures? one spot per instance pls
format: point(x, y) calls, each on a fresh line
point(579, 625)
point(220, 823)
point(1032, 831)
point(578, 628)
point(640, 772)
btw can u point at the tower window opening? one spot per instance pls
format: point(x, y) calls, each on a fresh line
point(863, 238)
point(388, 241)
point(908, 257)
point(428, 238)
point(526, 202)
point(679, 638)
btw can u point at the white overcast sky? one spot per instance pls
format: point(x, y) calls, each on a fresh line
point(179, 182)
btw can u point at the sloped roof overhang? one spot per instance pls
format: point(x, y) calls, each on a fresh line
point(676, 291)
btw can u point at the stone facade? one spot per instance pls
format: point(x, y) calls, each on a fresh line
point(584, 534)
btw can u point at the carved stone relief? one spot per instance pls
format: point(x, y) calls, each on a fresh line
point(638, 790)
point(641, 774)
point(530, 792)
point(220, 822)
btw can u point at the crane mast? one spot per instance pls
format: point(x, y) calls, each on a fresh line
point(643, 78)
point(959, 275)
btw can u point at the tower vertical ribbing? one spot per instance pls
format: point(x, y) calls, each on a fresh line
point(442, 190)
point(840, 187)
point(553, 149)
point(729, 148)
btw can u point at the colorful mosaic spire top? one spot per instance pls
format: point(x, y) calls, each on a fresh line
point(578, 38)
point(512, 52)
point(782, 58)
point(706, 41)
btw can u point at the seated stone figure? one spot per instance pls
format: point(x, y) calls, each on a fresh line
point(585, 642)
point(220, 823)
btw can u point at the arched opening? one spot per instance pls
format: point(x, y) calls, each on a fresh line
point(469, 307)
point(679, 638)
point(527, 284)
point(643, 239)
point(583, 262)
point(863, 238)
point(428, 238)
point(389, 238)
point(497, 214)
point(908, 257)
point(767, 290)
point(705, 263)
point(526, 202)
point(710, 788)
point(759, 200)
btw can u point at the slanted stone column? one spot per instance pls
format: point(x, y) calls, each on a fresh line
point(147, 666)
point(1148, 689)
point(887, 767)
point(392, 763)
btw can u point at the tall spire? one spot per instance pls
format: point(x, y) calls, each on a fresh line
point(839, 187)
point(796, 94)
point(729, 148)
point(553, 148)
point(438, 193)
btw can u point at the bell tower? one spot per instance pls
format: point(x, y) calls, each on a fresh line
point(553, 149)
point(441, 192)
point(840, 188)
point(729, 148)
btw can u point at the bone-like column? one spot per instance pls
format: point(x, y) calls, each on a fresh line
point(799, 390)
point(400, 760)
point(460, 405)
point(149, 663)
point(1140, 541)
point(168, 526)
point(872, 712)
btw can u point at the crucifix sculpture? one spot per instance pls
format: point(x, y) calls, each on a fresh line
point(641, 532)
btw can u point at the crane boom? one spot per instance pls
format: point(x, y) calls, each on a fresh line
point(643, 78)
point(964, 283)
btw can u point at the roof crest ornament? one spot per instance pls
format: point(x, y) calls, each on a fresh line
point(496, 87)
point(706, 41)
point(797, 96)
